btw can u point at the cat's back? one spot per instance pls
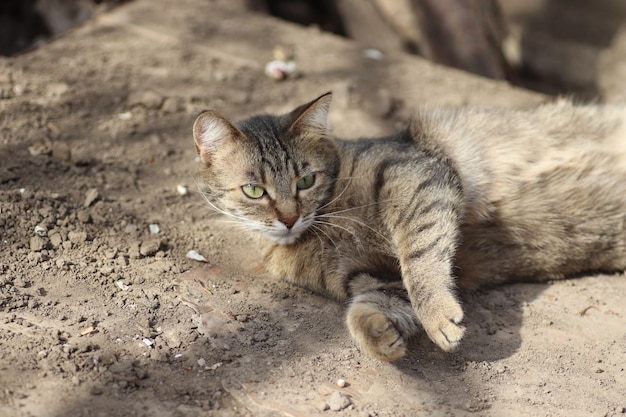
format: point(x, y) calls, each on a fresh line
point(525, 135)
point(495, 150)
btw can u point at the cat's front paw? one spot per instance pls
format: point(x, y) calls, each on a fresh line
point(374, 333)
point(441, 320)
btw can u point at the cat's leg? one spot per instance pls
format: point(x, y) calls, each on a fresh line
point(380, 319)
point(425, 233)
point(435, 304)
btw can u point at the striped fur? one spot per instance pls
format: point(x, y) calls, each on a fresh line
point(464, 197)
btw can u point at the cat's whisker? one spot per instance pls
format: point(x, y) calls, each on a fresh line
point(248, 224)
point(202, 204)
point(332, 215)
point(214, 213)
point(315, 228)
point(205, 197)
point(237, 223)
point(358, 207)
point(337, 226)
point(338, 196)
point(219, 210)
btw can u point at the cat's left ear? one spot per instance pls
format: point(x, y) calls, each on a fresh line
point(211, 131)
point(312, 116)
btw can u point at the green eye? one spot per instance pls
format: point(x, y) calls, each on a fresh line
point(305, 182)
point(253, 191)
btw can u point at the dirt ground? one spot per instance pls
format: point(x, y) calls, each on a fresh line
point(102, 313)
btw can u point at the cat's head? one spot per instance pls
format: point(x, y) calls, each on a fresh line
point(269, 173)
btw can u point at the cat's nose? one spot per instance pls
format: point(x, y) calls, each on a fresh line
point(289, 221)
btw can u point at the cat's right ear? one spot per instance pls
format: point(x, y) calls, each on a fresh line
point(312, 116)
point(210, 131)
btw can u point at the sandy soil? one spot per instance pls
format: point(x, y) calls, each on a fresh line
point(100, 316)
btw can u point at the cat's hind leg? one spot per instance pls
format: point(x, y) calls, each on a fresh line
point(381, 320)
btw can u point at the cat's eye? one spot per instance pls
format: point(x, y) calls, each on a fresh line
point(305, 182)
point(253, 191)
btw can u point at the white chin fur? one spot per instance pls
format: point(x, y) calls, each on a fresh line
point(284, 236)
point(287, 239)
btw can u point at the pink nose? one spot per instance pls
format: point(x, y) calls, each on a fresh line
point(289, 221)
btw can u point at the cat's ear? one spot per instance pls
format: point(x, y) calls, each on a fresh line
point(211, 130)
point(312, 116)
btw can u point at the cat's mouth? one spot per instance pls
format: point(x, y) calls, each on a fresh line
point(283, 235)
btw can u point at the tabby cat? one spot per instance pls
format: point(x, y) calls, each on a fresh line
point(394, 225)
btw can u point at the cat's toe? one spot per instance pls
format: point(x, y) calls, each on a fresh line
point(375, 334)
point(443, 325)
point(381, 339)
point(448, 336)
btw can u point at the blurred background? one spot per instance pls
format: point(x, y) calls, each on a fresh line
point(572, 47)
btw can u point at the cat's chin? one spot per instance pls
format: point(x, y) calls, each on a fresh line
point(287, 237)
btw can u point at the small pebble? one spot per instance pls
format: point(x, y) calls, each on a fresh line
point(154, 228)
point(341, 382)
point(148, 99)
point(193, 254)
point(171, 105)
point(37, 243)
point(121, 285)
point(40, 149)
point(279, 70)
point(61, 151)
point(88, 330)
point(56, 240)
point(182, 189)
point(149, 247)
point(374, 54)
point(91, 196)
point(77, 237)
point(338, 401)
point(130, 228)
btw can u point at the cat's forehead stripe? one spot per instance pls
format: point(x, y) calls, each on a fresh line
point(275, 153)
point(268, 138)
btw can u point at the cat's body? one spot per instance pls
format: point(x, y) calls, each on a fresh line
point(393, 225)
